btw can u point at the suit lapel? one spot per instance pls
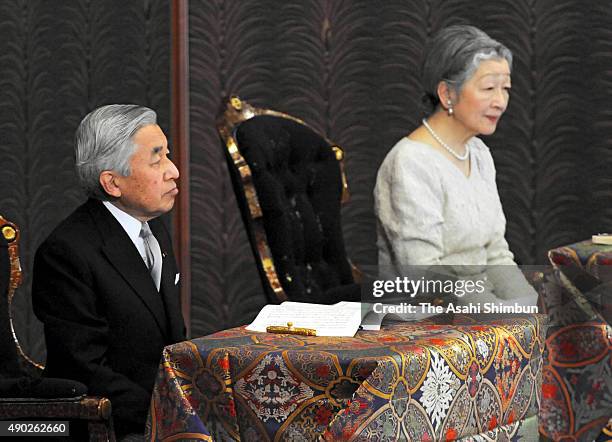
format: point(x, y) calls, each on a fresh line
point(168, 288)
point(124, 257)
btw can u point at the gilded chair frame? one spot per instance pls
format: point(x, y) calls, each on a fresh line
point(12, 235)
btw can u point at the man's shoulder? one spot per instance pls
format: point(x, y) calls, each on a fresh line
point(79, 227)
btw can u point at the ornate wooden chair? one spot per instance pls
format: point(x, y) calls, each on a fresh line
point(24, 393)
point(290, 184)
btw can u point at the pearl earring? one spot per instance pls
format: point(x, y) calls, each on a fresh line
point(450, 108)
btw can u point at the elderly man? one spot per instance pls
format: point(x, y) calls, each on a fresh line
point(105, 280)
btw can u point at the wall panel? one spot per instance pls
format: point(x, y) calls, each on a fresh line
point(228, 44)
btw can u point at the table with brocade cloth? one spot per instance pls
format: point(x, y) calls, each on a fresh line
point(410, 381)
point(577, 374)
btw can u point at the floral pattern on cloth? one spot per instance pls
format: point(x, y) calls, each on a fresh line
point(577, 372)
point(438, 390)
point(411, 381)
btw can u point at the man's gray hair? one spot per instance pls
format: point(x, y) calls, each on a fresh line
point(103, 141)
point(453, 55)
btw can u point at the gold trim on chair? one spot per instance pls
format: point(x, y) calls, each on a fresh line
point(236, 112)
point(12, 236)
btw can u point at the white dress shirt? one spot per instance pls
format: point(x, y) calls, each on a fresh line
point(131, 226)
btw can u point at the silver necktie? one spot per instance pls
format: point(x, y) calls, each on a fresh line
point(153, 254)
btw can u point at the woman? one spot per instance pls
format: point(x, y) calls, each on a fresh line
point(435, 198)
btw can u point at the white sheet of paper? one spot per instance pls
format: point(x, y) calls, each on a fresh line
point(341, 319)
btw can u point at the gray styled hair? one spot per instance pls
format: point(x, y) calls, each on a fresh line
point(453, 55)
point(103, 141)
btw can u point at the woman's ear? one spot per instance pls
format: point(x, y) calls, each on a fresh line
point(108, 181)
point(446, 96)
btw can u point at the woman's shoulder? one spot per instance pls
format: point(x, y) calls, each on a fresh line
point(406, 144)
point(409, 151)
point(409, 159)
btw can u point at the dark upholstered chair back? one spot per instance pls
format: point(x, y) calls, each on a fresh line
point(289, 182)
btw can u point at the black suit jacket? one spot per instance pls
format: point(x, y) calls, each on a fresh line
point(105, 322)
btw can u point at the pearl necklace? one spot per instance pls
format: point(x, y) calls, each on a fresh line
point(446, 146)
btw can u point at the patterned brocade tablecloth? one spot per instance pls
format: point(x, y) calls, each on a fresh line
point(577, 373)
point(418, 382)
point(583, 254)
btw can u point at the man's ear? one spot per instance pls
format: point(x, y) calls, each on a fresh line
point(108, 181)
point(446, 95)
